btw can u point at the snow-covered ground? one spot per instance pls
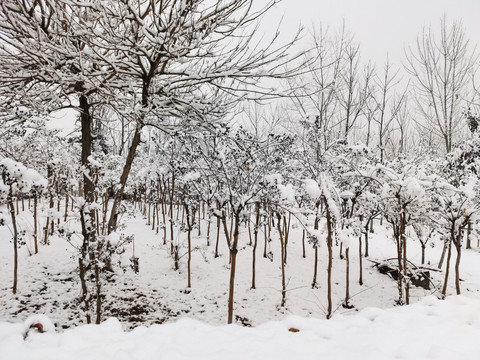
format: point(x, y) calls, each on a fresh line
point(48, 284)
point(429, 329)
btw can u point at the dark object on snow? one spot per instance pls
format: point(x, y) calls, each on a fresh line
point(37, 323)
point(243, 320)
point(135, 264)
point(294, 330)
point(473, 121)
point(419, 277)
point(37, 326)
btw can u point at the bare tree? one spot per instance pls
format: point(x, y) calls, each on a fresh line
point(402, 126)
point(441, 67)
point(353, 89)
point(317, 99)
point(386, 104)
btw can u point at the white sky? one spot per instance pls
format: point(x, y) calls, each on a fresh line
point(380, 26)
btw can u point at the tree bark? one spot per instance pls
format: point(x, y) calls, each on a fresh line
point(406, 279)
point(282, 259)
point(88, 233)
point(35, 222)
point(218, 234)
point(447, 270)
point(366, 238)
point(112, 222)
point(329, 266)
point(15, 239)
point(347, 277)
point(233, 258)
point(360, 276)
point(423, 252)
point(469, 233)
point(255, 241)
point(442, 257)
point(315, 260)
point(303, 244)
point(458, 247)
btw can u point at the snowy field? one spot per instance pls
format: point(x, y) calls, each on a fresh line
point(193, 319)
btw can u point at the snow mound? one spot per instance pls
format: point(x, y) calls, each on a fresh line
point(40, 323)
point(429, 329)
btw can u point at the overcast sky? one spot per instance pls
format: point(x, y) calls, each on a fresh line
point(381, 26)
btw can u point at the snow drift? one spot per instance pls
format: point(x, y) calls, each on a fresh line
point(429, 329)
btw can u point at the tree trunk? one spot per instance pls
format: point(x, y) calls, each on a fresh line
point(442, 257)
point(366, 239)
point(233, 258)
point(189, 238)
point(315, 260)
point(286, 233)
point(469, 232)
point(282, 259)
point(303, 244)
point(82, 267)
point(52, 223)
point(458, 247)
point(45, 231)
point(58, 210)
point(65, 215)
point(347, 278)
point(35, 222)
point(329, 267)
point(154, 214)
point(400, 269)
point(360, 276)
point(315, 267)
point(423, 252)
point(15, 239)
point(250, 241)
point(164, 201)
point(98, 288)
point(406, 279)
point(190, 217)
point(171, 212)
point(265, 240)
point(218, 235)
point(199, 220)
point(112, 222)
point(83, 283)
point(89, 196)
point(209, 220)
point(447, 270)
point(255, 241)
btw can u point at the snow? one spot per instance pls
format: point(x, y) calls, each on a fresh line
point(191, 176)
point(429, 329)
point(347, 194)
point(21, 177)
point(344, 236)
point(40, 319)
point(287, 193)
point(311, 188)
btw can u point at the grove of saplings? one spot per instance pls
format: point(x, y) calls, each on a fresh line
point(225, 179)
point(156, 85)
